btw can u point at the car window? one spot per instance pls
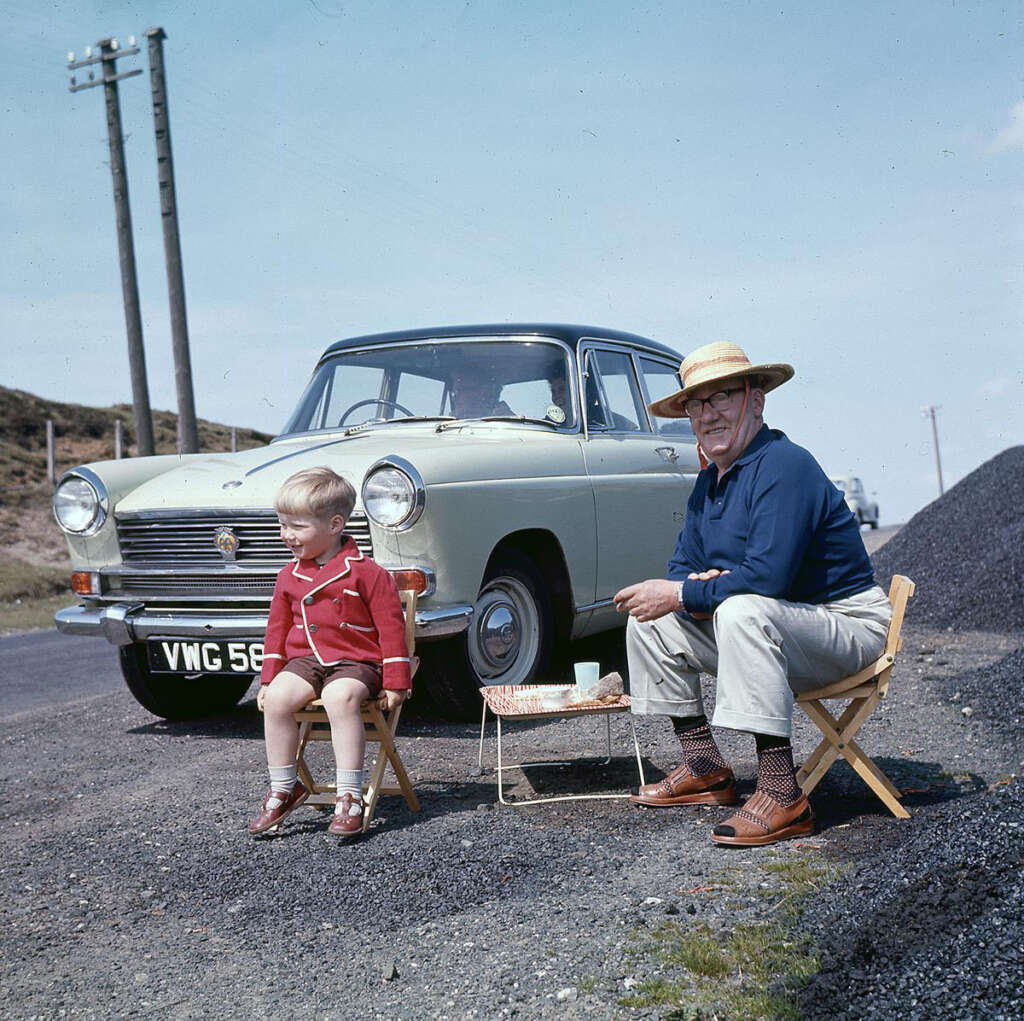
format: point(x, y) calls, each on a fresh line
point(660, 380)
point(422, 395)
point(613, 396)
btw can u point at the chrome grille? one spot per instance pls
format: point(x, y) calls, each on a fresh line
point(155, 540)
point(198, 584)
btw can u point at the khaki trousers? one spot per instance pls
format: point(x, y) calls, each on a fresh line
point(761, 650)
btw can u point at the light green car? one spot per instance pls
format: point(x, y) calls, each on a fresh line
point(511, 473)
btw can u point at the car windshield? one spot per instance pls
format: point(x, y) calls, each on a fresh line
point(468, 378)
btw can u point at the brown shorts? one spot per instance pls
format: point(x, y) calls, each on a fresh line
point(310, 669)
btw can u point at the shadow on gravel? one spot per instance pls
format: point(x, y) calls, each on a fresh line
point(842, 796)
point(243, 721)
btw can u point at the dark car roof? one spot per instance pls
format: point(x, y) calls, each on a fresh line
point(570, 334)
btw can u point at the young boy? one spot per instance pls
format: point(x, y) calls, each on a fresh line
point(336, 631)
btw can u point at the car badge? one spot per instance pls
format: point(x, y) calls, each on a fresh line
point(555, 413)
point(227, 542)
point(233, 484)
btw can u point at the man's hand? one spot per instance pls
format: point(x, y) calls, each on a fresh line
point(714, 572)
point(261, 696)
point(648, 600)
point(389, 699)
point(708, 575)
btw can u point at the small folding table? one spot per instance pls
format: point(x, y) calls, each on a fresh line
point(526, 702)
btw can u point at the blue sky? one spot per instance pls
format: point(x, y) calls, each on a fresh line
point(834, 185)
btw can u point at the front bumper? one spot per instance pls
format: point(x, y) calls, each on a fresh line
point(128, 622)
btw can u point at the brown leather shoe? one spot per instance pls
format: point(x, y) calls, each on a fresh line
point(270, 817)
point(762, 820)
point(682, 787)
point(348, 816)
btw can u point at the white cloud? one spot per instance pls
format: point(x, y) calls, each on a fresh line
point(1012, 136)
point(1000, 386)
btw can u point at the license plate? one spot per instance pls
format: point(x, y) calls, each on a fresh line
point(178, 656)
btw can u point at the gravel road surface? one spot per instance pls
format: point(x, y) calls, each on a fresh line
point(130, 886)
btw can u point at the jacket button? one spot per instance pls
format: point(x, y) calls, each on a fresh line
point(312, 627)
point(308, 600)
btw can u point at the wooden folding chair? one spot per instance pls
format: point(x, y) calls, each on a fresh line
point(865, 690)
point(380, 729)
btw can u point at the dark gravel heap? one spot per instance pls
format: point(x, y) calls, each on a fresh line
point(933, 928)
point(994, 694)
point(965, 551)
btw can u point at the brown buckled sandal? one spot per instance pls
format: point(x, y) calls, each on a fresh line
point(276, 806)
point(762, 820)
point(348, 817)
point(683, 787)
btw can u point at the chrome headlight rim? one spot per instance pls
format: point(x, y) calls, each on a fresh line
point(419, 492)
point(91, 479)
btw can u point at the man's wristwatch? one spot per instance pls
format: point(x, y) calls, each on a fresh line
point(679, 595)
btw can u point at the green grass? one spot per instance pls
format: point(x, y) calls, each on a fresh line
point(754, 970)
point(30, 614)
point(30, 595)
point(19, 580)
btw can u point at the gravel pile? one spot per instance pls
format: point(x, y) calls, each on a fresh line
point(965, 551)
point(994, 694)
point(932, 928)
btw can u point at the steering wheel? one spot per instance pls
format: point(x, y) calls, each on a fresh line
point(373, 400)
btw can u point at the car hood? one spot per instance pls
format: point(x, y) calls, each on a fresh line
point(250, 478)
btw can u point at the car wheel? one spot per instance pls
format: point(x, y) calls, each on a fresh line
point(508, 641)
point(180, 696)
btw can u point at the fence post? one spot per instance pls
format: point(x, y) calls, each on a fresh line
point(234, 439)
point(118, 439)
point(51, 467)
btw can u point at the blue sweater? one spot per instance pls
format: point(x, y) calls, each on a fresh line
point(777, 524)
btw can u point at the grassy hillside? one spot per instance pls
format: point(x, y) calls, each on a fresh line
point(28, 533)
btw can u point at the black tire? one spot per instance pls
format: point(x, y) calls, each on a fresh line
point(180, 696)
point(509, 640)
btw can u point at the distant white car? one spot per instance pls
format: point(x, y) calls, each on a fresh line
point(864, 510)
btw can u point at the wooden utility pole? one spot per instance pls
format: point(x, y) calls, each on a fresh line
point(107, 61)
point(188, 430)
point(930, 411)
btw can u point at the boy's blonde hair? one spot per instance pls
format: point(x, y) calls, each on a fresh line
point(317, 491)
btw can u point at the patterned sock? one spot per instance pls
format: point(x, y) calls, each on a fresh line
point(700, 753)
point(282, 780)
point(349, 781)
point(776, 775)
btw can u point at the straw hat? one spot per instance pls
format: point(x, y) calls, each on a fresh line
point(717, 363)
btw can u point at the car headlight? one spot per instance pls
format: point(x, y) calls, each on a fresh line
point(393, 493)
point(80, 503)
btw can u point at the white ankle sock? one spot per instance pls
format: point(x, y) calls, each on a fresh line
point(349, 781)
point(282, 780)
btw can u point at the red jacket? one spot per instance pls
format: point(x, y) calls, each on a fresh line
point(346, 609)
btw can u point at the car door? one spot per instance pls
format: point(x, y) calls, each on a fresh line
point(640, 478)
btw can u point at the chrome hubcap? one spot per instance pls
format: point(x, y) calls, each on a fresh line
point(505, 635)
point(499, 634)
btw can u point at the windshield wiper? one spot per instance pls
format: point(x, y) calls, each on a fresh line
point(495, 418)
point(390, 421)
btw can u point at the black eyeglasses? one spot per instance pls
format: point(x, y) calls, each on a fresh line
point(695, 408)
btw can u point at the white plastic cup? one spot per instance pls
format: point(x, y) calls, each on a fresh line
point(587, 675)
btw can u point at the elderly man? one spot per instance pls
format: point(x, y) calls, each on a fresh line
point(769, 589)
